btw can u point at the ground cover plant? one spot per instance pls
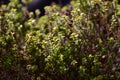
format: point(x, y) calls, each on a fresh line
point(81, 41)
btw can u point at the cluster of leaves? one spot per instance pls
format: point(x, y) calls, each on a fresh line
point(78, 42)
